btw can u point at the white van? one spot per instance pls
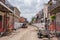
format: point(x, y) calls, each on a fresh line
point(17, 25)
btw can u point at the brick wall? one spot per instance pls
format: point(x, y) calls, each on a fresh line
point(17, 12)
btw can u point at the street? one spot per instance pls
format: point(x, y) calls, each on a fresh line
point(30, 35)
point(29, 19)
point(24, 34)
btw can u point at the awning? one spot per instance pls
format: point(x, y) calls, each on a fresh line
point(3, 7)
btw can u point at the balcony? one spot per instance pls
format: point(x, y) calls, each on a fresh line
point(53, 6)
point(6, 4)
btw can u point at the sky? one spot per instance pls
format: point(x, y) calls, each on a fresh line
point(28, 8)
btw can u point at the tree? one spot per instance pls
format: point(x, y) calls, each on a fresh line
point(53, 17)
point(32, 20)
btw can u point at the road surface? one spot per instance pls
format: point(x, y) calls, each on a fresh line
point(29, 33)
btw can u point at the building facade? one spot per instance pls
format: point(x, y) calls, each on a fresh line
point(54, 9)
point(8, 16)
point(17, 13)
point(4, 16)
point(39, 16)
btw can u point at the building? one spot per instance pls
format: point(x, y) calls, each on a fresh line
point(5, 12)
point(17, 14)
point(39, 16)
point(54, 9)
point(22, 19)
point(16, 17)
point(8, 16)
point(45, 10)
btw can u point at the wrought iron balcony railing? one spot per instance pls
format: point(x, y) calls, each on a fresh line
point(53, 6)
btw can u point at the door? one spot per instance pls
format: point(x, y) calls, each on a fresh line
point(1, 28)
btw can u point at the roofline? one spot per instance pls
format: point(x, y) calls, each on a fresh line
point(6, 7)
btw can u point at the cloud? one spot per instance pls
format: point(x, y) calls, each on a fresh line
point(28, 8)
point(28, 2)
point(29, 16)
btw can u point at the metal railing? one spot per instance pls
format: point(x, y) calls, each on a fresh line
point(53, 6)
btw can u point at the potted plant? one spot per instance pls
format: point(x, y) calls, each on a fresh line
point(53, 17)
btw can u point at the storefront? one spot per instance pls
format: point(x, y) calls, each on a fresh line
point(1, 22)
point(56, 17)
point(11, 22)
point(4, 18)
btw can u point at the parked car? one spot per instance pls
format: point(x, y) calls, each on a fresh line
point(24, 25)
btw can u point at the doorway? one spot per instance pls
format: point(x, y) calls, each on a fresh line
point(0, 23)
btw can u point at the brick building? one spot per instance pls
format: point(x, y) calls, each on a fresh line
point(8, 16)
point(54, 9)
point(5, 13)
point(17, 14)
